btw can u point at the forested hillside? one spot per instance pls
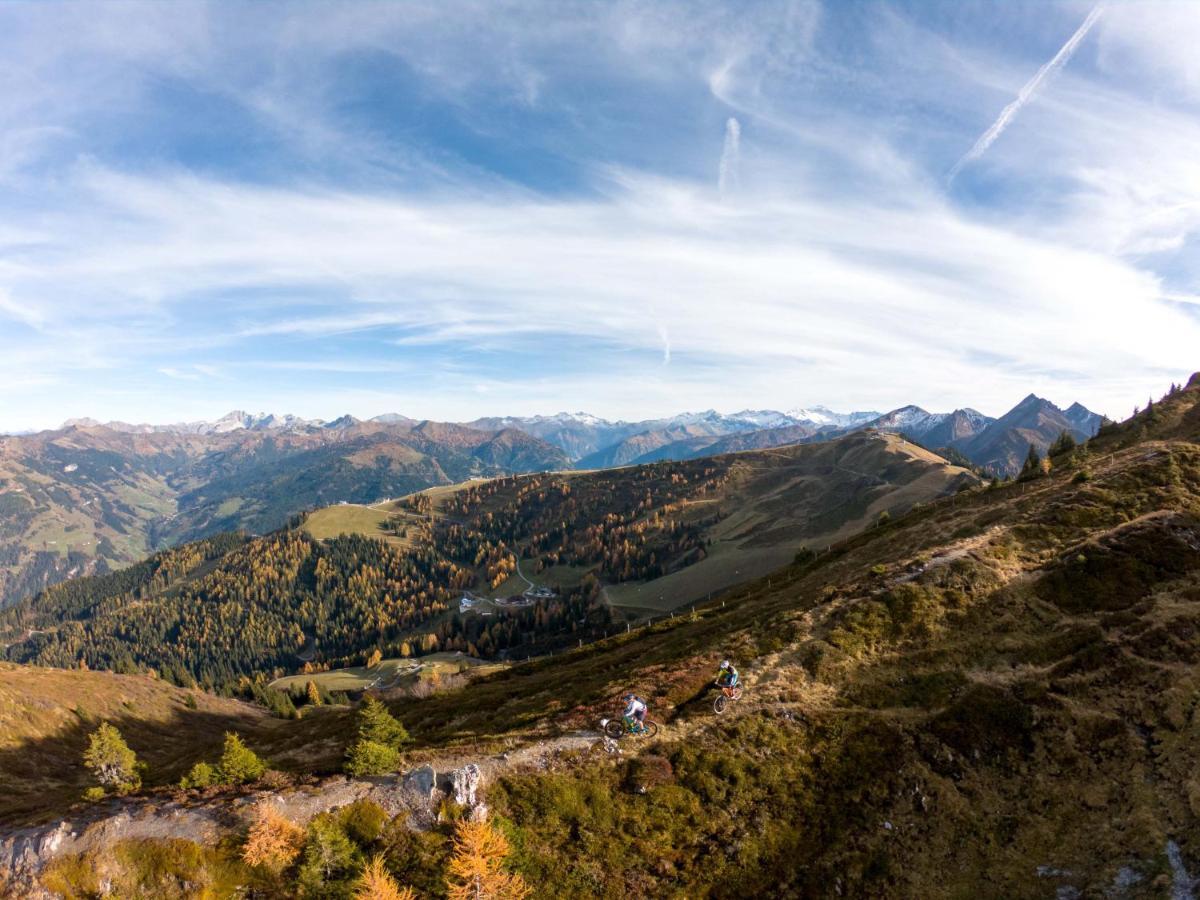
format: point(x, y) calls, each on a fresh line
point(233, 608)
point(88, 499)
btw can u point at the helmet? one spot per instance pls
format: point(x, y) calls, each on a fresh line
point(724, 664)
point(628, 696)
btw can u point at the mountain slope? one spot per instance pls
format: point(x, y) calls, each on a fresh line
point(652, 537)
point(711, 445)
point(995, 694)
point(87, 499)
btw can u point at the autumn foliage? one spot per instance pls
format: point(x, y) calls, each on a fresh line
point(376, 884)
point(274, 841)
point(476, 870)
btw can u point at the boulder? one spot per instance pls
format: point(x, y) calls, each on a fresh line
point(422, 782)
point(464, 783)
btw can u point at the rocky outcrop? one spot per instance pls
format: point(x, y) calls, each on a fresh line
point(26, 852)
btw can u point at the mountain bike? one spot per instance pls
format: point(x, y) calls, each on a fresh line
point(727, 695)
point(617, 729)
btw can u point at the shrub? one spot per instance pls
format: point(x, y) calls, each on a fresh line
point(364, 820)
point(94, 794)
point(1081, 477)
point(863, 629)
point(239, 764)
point(644, 773)
point(202, 775)
point(274, 842)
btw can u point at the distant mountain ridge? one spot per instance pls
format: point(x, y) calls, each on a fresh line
point(587, 441)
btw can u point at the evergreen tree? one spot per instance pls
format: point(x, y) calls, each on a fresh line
point(1033, 464)
point(376, 749)
point(375, 723)
point(1063, 445)
point(239, 764)
point(329, 856)
point(115, 766)
point(202, 775)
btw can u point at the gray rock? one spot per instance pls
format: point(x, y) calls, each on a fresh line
point(464, 783)
point(421, 782)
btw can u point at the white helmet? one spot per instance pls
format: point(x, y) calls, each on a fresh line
point(724, 664)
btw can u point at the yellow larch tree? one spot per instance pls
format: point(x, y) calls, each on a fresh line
point(476, 870)
point(274, 841)
point(376, 884)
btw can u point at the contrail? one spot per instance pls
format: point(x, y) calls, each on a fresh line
point(728, 176)
point(1027, 92)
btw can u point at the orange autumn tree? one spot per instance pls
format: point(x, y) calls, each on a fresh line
point(274, 841)
point(476, 870)
point(376, 884)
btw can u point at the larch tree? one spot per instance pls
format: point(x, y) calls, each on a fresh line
point(476, 870)
point(376, 884)
point(274, 841)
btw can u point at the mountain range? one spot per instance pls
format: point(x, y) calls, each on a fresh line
point(90, 497)
point(589, 441)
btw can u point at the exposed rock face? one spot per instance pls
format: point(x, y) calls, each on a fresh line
point(464, 783)
point(421, 783)
point(26, 852)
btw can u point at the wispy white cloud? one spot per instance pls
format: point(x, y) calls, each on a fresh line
point(410, 266)
point(1027, 92)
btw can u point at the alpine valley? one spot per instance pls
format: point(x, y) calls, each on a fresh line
point(89, 498)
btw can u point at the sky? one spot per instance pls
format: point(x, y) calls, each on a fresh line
point(455, 209)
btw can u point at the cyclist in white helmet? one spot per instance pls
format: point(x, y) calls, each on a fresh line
point(727, 675)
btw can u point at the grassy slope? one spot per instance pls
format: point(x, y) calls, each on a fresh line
point(778, 501)
point(46, 715)
point(389, 673)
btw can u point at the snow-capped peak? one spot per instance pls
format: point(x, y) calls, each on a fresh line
point(764, 418)
point(823, 416)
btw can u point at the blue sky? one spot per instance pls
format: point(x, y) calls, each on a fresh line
point(457, 209)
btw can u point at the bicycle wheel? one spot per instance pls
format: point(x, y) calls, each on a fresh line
point(737, 693)
point(720, 703)
point(614, 728)
point(651, 729)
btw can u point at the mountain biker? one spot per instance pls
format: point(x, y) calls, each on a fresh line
point(635, 712)
point(727, 675)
